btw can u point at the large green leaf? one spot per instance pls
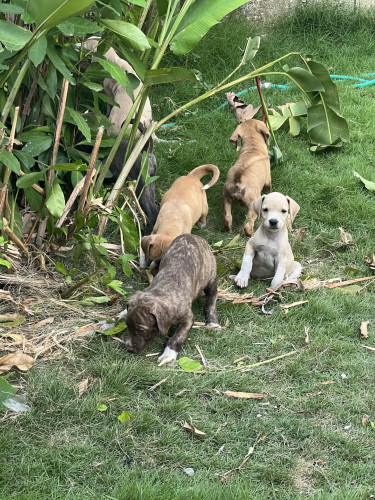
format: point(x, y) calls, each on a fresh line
point(324, 124)
point(131, 34)
point(200, 17)
point(252, 47)
point(49, 13)
point(134, 61)
point(14, 37)
point(330, 95)
point(368, 184)
point(114, 70)
point(59, 64)
point(10, 161)
point(6, 390)
point(38, 51)
point(325, 127)
point(168, 75)
point(305, 80)
point(38, 145)
point(79, 26)
point(29, 179)
point(55, 201)
point(80, 122)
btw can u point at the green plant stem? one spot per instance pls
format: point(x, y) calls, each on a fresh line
point(144, 13)
point(67, 293)
point(14, 90)
point(104, 169)
point(265, 110)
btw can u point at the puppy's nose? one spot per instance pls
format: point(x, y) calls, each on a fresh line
point(129, 345)
point(273, 222)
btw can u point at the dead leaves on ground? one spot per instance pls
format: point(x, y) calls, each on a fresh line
point(244, 395)
point(19, 360)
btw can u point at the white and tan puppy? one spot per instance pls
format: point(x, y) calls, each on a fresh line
point(268, 253)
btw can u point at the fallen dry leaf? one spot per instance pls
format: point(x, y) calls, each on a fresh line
point(21, 361)
point(346, 238)
point(14, 336)
point(349, 282)
point(301, 232)
point(320, 462)
point(44, 322)
point(368, 347)
point(307, 338)
point(363, 328)
point(293, 304)
point(248, 395)
point(82, 386)
point(193, 429)
point(325, 383)
point(364, 421)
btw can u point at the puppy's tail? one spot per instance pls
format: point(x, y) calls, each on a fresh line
point(199, 172)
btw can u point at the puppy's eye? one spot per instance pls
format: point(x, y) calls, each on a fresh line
point(265, 209)
point(284, 211)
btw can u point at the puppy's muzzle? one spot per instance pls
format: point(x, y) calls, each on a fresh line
point(273, 223)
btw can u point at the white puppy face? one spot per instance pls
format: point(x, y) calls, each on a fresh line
point(274, 208)
point(274, 212)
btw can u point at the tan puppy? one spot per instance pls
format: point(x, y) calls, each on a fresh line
point(183, 205)
point(268, 253)
point(251, 172)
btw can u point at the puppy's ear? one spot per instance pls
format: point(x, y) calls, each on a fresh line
point(293, 208)
point(235, 136)
point(161, 314)
point(263, 129)
point(257, 205)
point(146, 242)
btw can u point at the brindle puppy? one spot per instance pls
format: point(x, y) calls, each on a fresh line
point(186, 269)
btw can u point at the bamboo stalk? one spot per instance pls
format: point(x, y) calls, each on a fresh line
point(7, 171)
point(60, 118)
point(13, 236)
point(89, 174)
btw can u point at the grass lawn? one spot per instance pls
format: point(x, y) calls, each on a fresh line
point(312, 441)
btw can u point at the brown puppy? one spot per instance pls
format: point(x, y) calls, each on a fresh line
point(183, 205)
point(251, 172)
point(186, 269)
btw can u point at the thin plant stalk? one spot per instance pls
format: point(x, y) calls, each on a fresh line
point(14, 90)
point(89, 173)
point(7, 171)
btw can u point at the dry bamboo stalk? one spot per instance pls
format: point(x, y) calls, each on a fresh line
point(7, 172)
point(13, 236)
point(89, 174)
point(70, 202)
point(139, 208)
point(59, 122)
point(60, 118)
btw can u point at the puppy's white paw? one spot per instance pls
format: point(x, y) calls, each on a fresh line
point(143, 264)
point(241, 280)
point(106, 326)
point(213, 325)
point(122, 315)
point(169, 356)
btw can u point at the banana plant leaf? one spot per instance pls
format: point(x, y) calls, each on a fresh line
point(324, 124)
point(49, 13)
point(200, 17)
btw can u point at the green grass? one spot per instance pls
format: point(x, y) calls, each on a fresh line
point(66, 449)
